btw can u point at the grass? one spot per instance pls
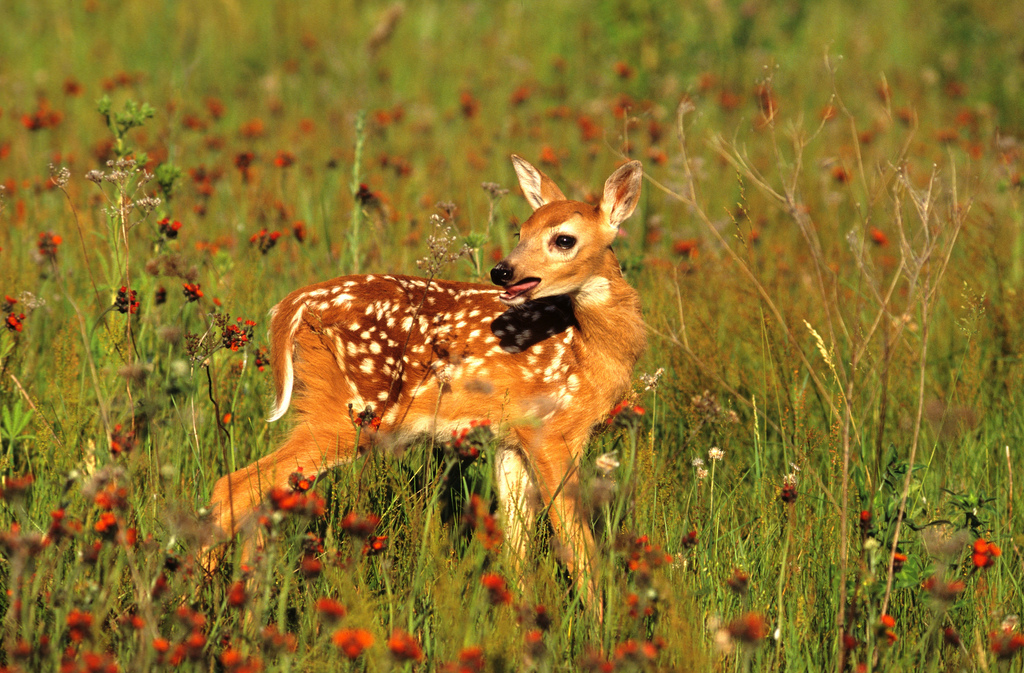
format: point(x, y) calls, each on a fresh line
point(829, 250)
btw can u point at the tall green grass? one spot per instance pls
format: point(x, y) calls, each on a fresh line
point(828, 249)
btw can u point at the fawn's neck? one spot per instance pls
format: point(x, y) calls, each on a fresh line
point(611, 329)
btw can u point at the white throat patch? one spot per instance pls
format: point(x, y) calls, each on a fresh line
point(594, 292)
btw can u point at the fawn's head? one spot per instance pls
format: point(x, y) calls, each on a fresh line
point(565, 245)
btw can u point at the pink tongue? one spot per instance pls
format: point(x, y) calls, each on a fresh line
point(519, 288)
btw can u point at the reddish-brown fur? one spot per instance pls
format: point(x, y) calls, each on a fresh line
point(546, 364)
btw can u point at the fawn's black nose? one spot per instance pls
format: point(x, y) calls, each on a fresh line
point(501, 274)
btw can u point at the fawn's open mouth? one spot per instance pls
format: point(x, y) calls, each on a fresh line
point(513, 292)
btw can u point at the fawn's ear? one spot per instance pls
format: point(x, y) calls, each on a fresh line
point(538, 188)
point(621, 193)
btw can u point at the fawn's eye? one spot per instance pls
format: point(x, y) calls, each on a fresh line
point(565, 242)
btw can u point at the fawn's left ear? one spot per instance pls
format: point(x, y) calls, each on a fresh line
point(621, 193)
point(538, 188)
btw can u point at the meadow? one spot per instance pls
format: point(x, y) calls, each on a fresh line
point(819, 465)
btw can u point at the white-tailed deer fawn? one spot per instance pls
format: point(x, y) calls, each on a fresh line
point(547, 356)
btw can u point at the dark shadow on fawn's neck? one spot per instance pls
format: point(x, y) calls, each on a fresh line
point(520, 327)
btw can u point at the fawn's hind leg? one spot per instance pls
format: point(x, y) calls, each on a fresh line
point(310, 449)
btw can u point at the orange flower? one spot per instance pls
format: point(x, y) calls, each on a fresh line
point(237, 595)
point(1005, 643)
point(749, 628)
point(352, 642)
point(878, 237)
point(985, 553)
point(330, 609)
point(497, 588)
point(404, 647)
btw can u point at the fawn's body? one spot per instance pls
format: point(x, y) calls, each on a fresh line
point(547, 357)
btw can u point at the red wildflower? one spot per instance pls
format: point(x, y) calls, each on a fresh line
point(739, 582)
point(470, 105)
point(840, 174)
point(690, 539)
point(688, 247)
point(375, 544)
point(237, 595)
point(106, 525)
point(264, 241)
point(16, 488)
point(8, 304)
point(330, 610)
point(192, 291)
point(623, 70)
point(360, 525)
point(404, 647)
point(252, 128)
point(942, 590)
point(951, 637)
point(15, 322)
point(352, 642)
point(984, 553)
point(121, 441)
point(44, 117)
point(478, 517)
point(215, 107)
point(310, 566)
point(47, 245)
point(299, 231)
point(497, 588)
point(126, 301)
point(749, 628)
point(79, 625)
point(549, 157)
point(284, 159)
point(276, 641)
point(169, 229)
point(728, 101)
point(520, 95)
point(878, 237)
point(1005, 643)
point(589, 130)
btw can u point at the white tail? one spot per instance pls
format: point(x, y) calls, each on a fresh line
point(547, 355)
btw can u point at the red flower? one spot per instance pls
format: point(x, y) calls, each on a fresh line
point(169, 229)
point(330, 609)
point(352, 642)
point(375, 544)
point(404, 647)
point(192, 291)
point(984, 553)
point(1005, 643)
point(284, 159)
point(47, 245)
point(264, 241)
point(15, 322)
point(878, 237)
point(470, 105)
point(126, 301)
point(299, 231)
point(749, 628)
point(237, 595)
point(687, 248)
point(497, 588)
point(360, 525)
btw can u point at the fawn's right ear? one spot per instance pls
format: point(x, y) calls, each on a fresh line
point(538, 188)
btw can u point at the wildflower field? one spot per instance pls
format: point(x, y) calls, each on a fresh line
point(819, 467)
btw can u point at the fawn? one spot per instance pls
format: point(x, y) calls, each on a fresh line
point(547, 355)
